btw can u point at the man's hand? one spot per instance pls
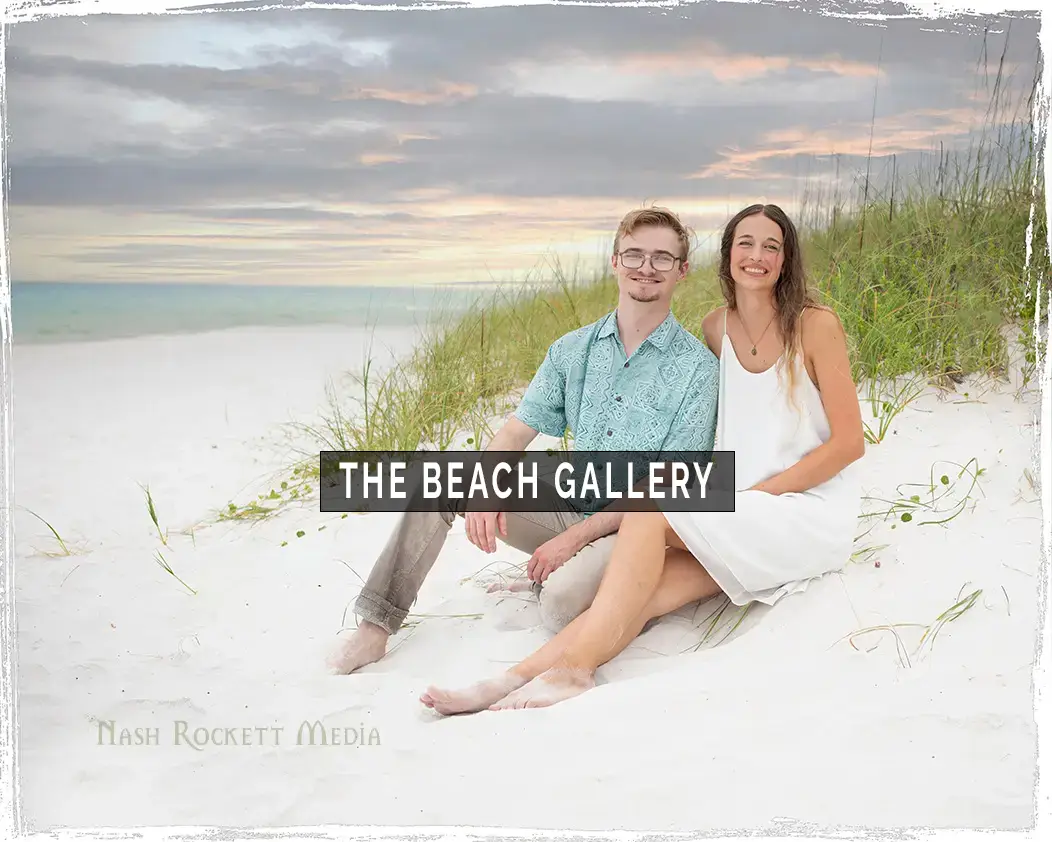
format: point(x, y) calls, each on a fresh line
point(550, 556)
point(481, 529)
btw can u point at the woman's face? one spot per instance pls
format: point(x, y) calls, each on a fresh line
point(757, 253)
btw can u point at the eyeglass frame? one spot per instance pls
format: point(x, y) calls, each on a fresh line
point(645, 257)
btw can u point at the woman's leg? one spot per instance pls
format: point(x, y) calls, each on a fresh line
point(628, 585)
point(640, 533)
point(683, 580)
point(630, 580)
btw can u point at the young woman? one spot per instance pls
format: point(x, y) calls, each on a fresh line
point(789, 410)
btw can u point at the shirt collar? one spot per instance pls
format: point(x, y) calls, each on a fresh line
point(659, 337)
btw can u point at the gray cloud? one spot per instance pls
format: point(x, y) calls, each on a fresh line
point(202, 115)
point(527, 147)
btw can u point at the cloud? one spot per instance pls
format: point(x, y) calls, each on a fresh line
point(916, 131)
point(441, 93)
point(713, 59)
point(489, 131)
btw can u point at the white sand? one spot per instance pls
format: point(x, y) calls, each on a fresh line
point(780, 722)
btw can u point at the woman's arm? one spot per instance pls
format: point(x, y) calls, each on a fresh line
point(825, 347)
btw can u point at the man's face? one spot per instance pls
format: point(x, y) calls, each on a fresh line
point(639, 279)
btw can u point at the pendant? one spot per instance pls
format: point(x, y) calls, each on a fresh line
point(754, 352)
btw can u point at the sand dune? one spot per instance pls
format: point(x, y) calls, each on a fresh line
point(782, 721)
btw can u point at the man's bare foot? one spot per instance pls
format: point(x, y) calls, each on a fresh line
point(551, 686)
point(474, 698)
point(366, 646)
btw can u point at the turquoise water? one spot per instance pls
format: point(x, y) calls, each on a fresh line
point(77, 312)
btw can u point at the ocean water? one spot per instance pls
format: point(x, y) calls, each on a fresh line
point(78, 312)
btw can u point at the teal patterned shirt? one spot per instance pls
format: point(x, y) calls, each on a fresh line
point(663, 398)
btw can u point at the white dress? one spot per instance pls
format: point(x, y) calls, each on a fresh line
point(771, 545)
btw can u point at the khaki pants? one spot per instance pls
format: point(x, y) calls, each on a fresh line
point(417, 540)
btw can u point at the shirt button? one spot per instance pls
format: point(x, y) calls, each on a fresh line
point(626, 365)
point(618, 399)
point(609, 432)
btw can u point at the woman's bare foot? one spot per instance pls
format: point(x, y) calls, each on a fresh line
point(554, 685)
point(474, 698)
point(366, 646)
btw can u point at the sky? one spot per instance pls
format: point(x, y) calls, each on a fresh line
point(364, 147)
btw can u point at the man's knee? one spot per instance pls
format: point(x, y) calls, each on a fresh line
point(562, 601)
point(569, 591)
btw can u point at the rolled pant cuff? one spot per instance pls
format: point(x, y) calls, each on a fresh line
point(373, 608)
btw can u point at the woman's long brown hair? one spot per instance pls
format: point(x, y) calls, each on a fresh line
point(791, 293)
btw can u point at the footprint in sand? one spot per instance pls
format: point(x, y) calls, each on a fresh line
point(187, 646)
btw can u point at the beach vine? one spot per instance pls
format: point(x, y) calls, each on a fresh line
point(929, 631)
point(942, 500)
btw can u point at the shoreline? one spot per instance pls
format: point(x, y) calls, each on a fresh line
point(318, 327)
point(106, 634)
point(89, 312)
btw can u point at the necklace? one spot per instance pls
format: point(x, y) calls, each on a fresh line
point(758, 341)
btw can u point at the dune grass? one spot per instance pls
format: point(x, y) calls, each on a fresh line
point(926, 270)
point(167, 568)
point(64, 548)
point(924, 277)
point(929, 631)
point(930, 272)
point(151, 509)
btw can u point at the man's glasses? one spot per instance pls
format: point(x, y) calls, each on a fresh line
point(661, 262)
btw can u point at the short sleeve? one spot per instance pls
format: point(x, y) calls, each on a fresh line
point(543, 407)
point(694, 427)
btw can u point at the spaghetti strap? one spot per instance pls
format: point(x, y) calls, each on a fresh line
point(725, 308)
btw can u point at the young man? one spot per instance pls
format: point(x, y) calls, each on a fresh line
point(635, 380)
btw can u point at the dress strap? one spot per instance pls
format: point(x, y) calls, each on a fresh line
point(725, 320)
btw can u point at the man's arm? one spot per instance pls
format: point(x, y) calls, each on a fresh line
point(694, 427)
point(595, 526)
point(482, 527)
point(540, 411)
point(693, 430)
point(514, 435)
point(543, 406)
point(555, 552)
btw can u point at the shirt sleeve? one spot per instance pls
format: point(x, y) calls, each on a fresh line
point(694, 427)
point(543, 407)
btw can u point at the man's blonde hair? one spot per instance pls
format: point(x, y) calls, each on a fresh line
point(654, 217)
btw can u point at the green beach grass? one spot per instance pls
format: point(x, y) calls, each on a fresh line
point(924, 279)
point(933, 274)
point(929, 273)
